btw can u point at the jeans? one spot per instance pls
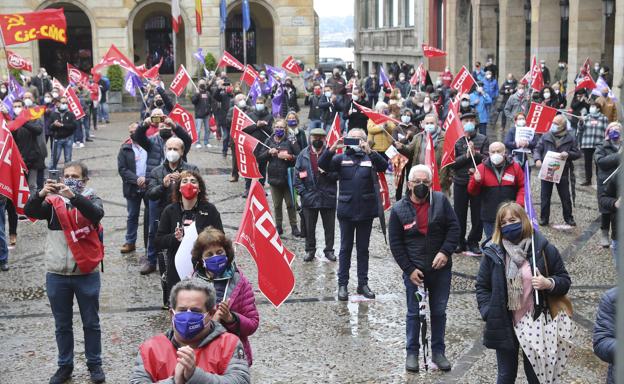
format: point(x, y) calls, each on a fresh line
point(64, 145)
point(461, 201)
point(132, 224)
point(103, 112)
point(280, 194)
point(328, 215)
point(614, 252)
point(4, 248)
point(563, 188)
point(225, 136)
point(362, 231)
point(507, 361)
point(198, 125)
point(61, 290)
point(86, 126)
point(153, 218)
point(438, 283)
point(488, 229)
point(483, 128)
point(78, 132)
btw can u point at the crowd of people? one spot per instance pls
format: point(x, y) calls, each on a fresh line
point(213, 313)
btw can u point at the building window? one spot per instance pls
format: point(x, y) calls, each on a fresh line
point(394, 12)
point(365, 21)
point(440, 24)
point(409, 14)
point(379, 9)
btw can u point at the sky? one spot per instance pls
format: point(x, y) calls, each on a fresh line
point(326, 8)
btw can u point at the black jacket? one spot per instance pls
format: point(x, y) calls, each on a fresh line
point(607, 158)
point(463, 161)
point(68, 119)
point(155, 187)
point(315, 111)
point(491, 289)
point(277, 169)
point(26, 140)
point(263, 132)
point(203, 102)
point(356, 118)
point(155, 145)
point(567, 144)
point(606, 203)
point(329, 108)
point(315, 192)
point(126, 166)
point(410, 248)
point(604, 338)
point(357, 200)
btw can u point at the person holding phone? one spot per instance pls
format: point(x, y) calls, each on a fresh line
point(62, 130)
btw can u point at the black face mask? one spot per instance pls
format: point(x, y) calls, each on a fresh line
point(133, 137)
point(421, 191)
point(202, 87)
point(165, 133)
point(159, 103)
point(318, 144)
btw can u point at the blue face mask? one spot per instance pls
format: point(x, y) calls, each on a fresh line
point(614, 135)
point(279, 132)
point(512, 232)
point(260, 107)
point(469, 127)
point(188, 324)
point(554, 128)
point(216, 264)
point(292, 123)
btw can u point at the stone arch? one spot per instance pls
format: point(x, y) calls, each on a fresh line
point(79, 50)
point(140, 45)
point(265, 25)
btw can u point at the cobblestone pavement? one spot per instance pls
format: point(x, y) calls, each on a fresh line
point(312, 337)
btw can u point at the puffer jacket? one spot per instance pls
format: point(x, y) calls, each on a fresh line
point(592, 130)
point(379, 136)
point(156, 190)
point(604, 331)
point(58, 257)
point(155, 145)
point(463, 161)
point(481, 103)
point(410, 248)
point(315, 193)
point(607, 158)
point(491, 289)
point(277, 169)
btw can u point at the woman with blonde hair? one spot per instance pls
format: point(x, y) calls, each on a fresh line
point(380, 136)
point(506, 286)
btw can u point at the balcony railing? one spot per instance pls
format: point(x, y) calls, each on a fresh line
point(400, 40)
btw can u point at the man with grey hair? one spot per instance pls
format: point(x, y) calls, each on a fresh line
point(358, 204)
point(423, 232)
point(197, 349)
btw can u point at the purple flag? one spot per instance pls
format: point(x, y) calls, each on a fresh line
point(8, 102)
point(528, 201)
point(273, 72)
point(131, 82)
point(277, 100)
point(255, 90)
point(383, 78)
point(600, 84)
point(15, 87)
point(199, 56)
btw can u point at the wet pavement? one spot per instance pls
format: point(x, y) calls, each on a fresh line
point(312, 337)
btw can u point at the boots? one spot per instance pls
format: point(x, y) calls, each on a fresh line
point(605, 242)
point(295, 231)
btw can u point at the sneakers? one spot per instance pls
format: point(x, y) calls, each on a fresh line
point(89, 140)
point(4, 267)
point(127, 248)
point(147, 268)
point(81, 145)
point(96, 374)
point(62, 374)
point(198, 145)
point(233, 179)
point(295, 231)
point(208, 145)
point(571, 222)
point(474, 248)
point(605, 242)
point(75, 145)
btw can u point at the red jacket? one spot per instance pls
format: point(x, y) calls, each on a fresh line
point(494, 192)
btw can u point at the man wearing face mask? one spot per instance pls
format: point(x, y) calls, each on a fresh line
point(592, 131)
point(595, 71)
point(423, 232)
point(557, 139)
point(518, 102)
point(27, 138)
point(472, 146)
point(104, 85)
point(197, 349)
point(280, 155)
point(490, 86)
point(262, 130)
point(317, 190)
point(62, 131)
point(507, 88)
point(337, 82)
point(72, 259)
point(42, 82)
point(545, 72)
point(447, 77)
point(358, 205)
point(403, 85)
point(330, 104)
point(561, 75)
point(353, 115)
point(607, 105)
point(203, 101)
point(497, 179)
point(371, 86)
point(481, 102)
point(607, 158)
point(315, 112)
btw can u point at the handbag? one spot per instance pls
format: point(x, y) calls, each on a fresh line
point(557, 304)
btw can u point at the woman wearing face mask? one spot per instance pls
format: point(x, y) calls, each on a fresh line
point(290, 92)
point(292, 121)
point(548, 97)
point(521, 148)
point(506, 286)
point(213, 261)
point(353, 115)
point(559, 96)
point(315, 112)
point(592, 130)
point(557, 139)
point(3, 90)
point(380, 136)
point(189, 205)
point(579, 105)
point(607, 159)
point(280, 151)
point(47, 117)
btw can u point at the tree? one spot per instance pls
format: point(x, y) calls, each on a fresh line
point(116, 77)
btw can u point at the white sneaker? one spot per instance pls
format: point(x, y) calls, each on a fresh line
point(208, 146)
point(81, 145)
point(75, 145)
point(198, 145)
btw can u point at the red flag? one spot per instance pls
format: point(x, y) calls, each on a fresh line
point(463, 82)
point(537, 79)
point(586, 82)
point(540, 117)
point(240, 121)
point(525, 80)
point(227, 60)
point(152, 73)
point(57, 84)
point(176, 18)
point(198, 16)
point(180, 81)
point(383, 190)
point(454, 131)
point(430, 161)
point(586, 68)
point(376, 117)
point(334, 134)
point(430, 51)
point(212, 123)
point(19, 121)
point(185, 120)
point(398, 163)
point(112, 57)
point(249, 75)
point(76, 76)
point(20, 28)
point(245, 145)
point(420, 75)
point(291, 65)
point(13, 183)
point(94, 89)
point(257, 233)
point(18, 62)
point(73, 103)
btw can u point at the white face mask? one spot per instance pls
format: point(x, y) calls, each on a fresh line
point(28, 103)
point(406, 119)
point(488, 76)
point(172, 156)
point(242, 104)
point(55, 94)
point(593, 109)
point(465, 103)
point(520, 123)
point(355, 97)
point(546, 95)
point(17, 111)
point(328, 94)
point(47, 100)
point(496, 158)
point(520, 91)
point(430, 128)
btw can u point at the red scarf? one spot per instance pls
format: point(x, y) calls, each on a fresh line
point(81, 235)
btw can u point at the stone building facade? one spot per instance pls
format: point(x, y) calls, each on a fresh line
point(141, 29)
point(510, 31)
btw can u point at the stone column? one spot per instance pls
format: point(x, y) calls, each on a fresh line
point(512, 39)
point(457, 33)
point(586, 33)
point(484, 27)
point(546, 31)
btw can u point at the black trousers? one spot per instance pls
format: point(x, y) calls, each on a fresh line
point(328, 216)
point(563, 188)
point(461, 201)
point(588, 154)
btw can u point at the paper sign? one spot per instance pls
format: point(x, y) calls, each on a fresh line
point(552, 167)
point(524, 133)
point(183, 262)
point(391, 152)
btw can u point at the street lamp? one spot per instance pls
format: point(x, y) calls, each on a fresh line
point(564, 6)
point(608, 6)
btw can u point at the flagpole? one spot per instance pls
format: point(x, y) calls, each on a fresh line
point(244, 47)
point(534, 263)
point(190, 78)
point(143, 98)
point(6, 55)
point(471, 155)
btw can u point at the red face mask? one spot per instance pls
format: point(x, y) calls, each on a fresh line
point(317, 92)
point(189, 191)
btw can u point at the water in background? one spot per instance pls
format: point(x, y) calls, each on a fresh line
point(344, 53)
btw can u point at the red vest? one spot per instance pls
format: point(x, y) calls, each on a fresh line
point(160, 358)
